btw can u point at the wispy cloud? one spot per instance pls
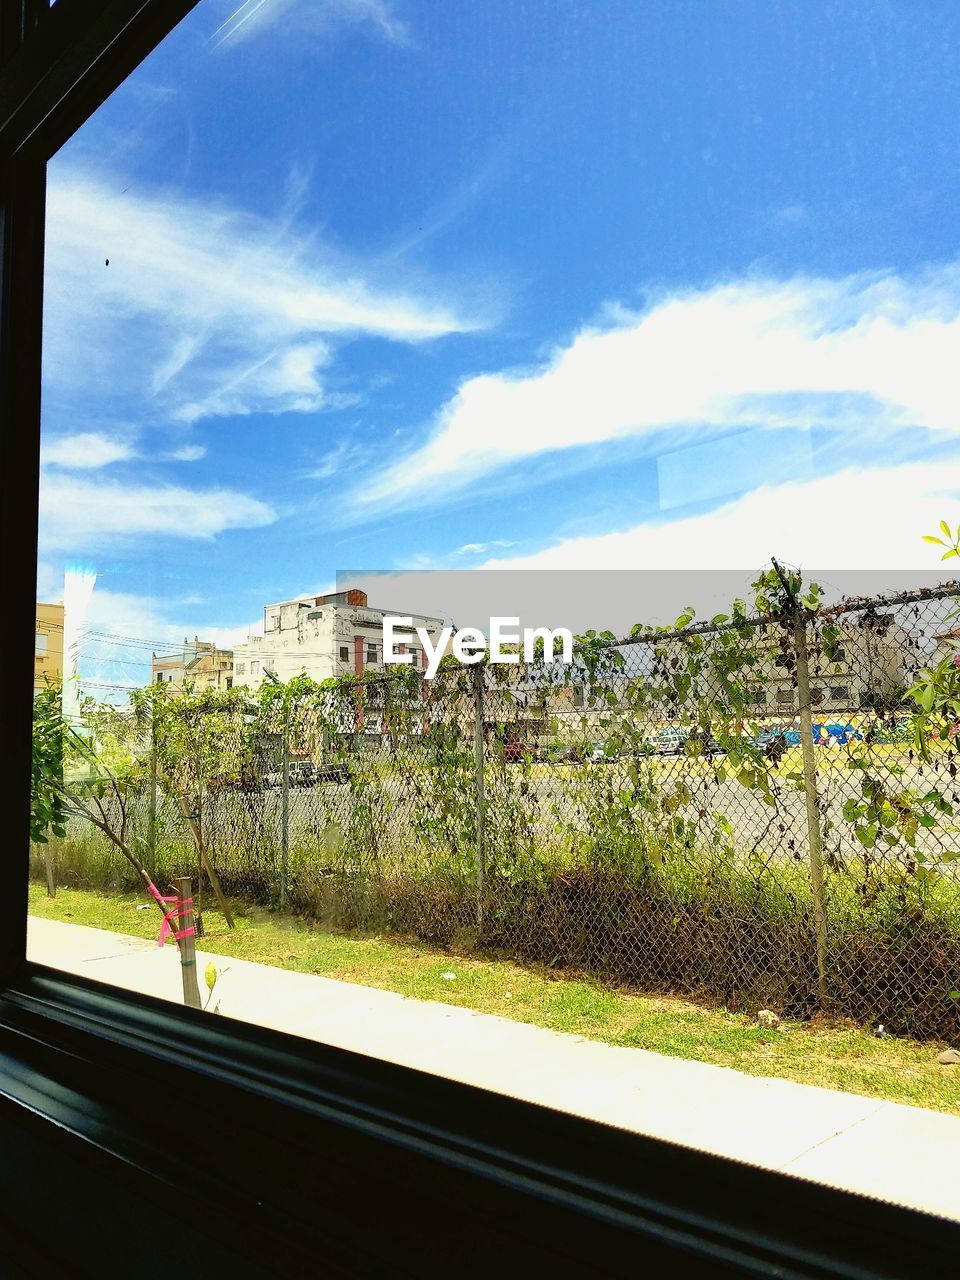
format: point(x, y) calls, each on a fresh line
point(79, 512)
point(92, 450)
point(315, 17)
point(86, 450)
point(481, 548)
point(189, 309)
point(345, 457)
point(186, 453)
point(858, 518)
point(863, 352)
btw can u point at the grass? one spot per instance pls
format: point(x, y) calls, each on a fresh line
point(829, 1054)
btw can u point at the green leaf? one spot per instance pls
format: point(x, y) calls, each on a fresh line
point(945, 528)
point(210, 976)
point(867, 836)
point(927, 537)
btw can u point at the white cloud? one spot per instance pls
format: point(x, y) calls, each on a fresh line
point(77, 512)
point(203, 310)
point(480, 548)
point(91, 450)
point(859, 518)
point(187, 453)
point(87, 450)
point(252, 17)
point(864, 352)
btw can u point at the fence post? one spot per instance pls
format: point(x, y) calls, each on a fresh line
point(188, 946)
point(814, 830)
point(479, 681)
point(284, 805)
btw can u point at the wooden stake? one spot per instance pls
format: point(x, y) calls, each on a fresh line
point(188, 946)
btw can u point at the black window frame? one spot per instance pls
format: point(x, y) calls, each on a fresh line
point(300, 1154)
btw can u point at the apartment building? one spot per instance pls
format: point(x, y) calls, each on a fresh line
point(48, 647)
point(323, 636)
point(872, 661)
point(199, 664)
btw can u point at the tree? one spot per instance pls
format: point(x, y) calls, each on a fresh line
point(100, 791)
point(47, 811)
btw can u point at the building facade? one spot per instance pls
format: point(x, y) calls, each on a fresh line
point(48, 647)
point(199, 665)
point(323, 636)
point(870, 664)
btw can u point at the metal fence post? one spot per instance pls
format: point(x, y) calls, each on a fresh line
point(284, 806)
point(814, 830)
point(479, 681)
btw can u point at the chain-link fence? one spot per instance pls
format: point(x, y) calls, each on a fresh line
point(736, 811)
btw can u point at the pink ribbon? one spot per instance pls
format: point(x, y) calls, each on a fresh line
point(181, 909)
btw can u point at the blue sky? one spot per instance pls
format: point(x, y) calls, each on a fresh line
point(412, 283)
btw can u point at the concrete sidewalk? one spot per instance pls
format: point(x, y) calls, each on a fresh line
point(894, 1152)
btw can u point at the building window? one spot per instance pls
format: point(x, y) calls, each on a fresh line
point(254, 668)
point(839, 691)
point(241, 668)
point(159, 677)
point(40, 644)
point(578, 695)
point(758, 697)
point(371, 653)
point(344, 653)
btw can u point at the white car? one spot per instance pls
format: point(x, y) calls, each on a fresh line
point(670, 741)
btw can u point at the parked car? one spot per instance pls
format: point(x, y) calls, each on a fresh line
point(669, 741)
point(304, 773)
point(772, 742)
point(333, 773)
point(517, 752)
point(702, 744)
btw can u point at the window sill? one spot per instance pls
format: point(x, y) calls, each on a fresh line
point(392, 1168)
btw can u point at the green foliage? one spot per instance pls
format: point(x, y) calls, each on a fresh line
point(47, 812)
point(950, 540)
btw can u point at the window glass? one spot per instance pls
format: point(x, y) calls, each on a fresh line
point(374, 328)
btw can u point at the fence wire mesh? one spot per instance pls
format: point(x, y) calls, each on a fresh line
point(736, 812)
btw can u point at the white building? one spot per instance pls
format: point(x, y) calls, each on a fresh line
point(323, 636)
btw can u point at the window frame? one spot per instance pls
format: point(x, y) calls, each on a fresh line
point(446, 1166)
